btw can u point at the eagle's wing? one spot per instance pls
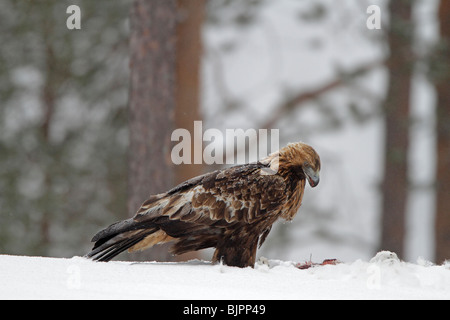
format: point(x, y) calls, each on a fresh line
point(237, 194)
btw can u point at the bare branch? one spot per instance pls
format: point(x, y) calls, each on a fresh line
point(303, 97)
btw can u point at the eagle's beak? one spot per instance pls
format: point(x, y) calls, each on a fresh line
point(313, 176)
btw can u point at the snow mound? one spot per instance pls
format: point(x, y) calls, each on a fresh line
point(383, 277)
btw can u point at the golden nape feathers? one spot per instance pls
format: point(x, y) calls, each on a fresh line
point(231, 209)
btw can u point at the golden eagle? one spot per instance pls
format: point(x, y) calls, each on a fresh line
point(231, 209)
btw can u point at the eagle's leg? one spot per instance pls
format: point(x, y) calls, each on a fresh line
point(236, 251)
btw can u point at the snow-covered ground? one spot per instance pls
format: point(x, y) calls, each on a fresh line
point(383, 277)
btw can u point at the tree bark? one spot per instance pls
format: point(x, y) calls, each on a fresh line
point(189, 51)
point(151, 103)
point(165, 55)
point(442, 84)
point(188, 65)
point(396, 108)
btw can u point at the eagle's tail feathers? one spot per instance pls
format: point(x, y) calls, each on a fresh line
point(112, 248)
point(119, 237)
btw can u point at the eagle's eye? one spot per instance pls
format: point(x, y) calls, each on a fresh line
point(306, 166)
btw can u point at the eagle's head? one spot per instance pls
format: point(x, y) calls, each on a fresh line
point(297, 159)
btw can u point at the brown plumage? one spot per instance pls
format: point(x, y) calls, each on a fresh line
point(231, 210)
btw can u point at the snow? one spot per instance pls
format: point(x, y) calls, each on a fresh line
point(382, 277)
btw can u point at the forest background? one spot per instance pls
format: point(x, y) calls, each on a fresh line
point(86, 115)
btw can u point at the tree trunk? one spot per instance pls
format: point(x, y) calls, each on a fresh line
point(165, 55)
point(151, 104)
point(189, 51)
point(396, 107)
point(442, 83)
point(188, 65)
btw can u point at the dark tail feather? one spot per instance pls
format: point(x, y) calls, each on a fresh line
point(113, 247)
point(117, 238)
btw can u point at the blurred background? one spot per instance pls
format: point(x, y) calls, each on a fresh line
point(86, 116)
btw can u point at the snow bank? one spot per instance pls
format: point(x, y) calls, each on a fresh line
point(383, 277)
